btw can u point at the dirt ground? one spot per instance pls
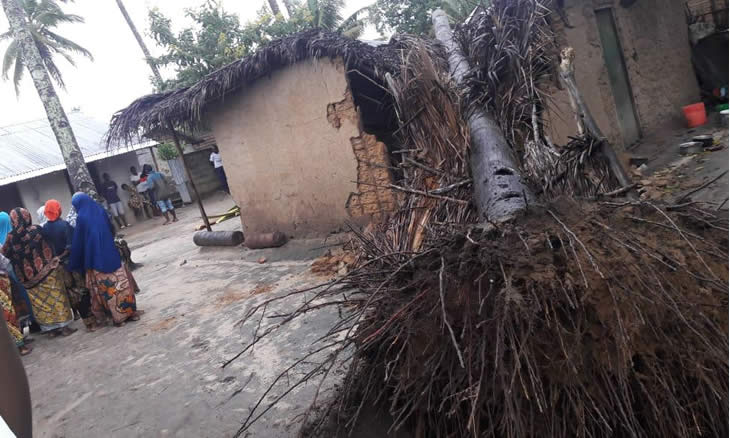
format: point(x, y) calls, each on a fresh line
point(162, 376)
point(671, 175)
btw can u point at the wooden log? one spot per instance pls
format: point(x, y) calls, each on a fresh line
point(500, 193)
point(584, 118)
point(265, 240)
point(218, 238)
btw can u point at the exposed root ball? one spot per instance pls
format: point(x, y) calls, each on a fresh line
point(579, 320)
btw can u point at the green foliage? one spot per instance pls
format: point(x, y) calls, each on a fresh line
point(166, 151)
point(414, 17)
point(218, 38)
point(43, 17)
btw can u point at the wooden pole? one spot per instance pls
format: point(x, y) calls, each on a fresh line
point(190, 176)
point(154, 159)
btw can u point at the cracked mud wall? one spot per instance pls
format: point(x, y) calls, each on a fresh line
point(291, 144)
point(654, 42)
point(372, 198)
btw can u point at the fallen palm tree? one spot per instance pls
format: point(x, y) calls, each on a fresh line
point(482, 309)
point(515, 290)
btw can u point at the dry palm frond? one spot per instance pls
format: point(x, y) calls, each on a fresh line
point(513, 55)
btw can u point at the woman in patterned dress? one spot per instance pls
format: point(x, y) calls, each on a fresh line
point(93, 252)
point(20, 298)
point(59, 234)
point(37, 269)
point(8, 309)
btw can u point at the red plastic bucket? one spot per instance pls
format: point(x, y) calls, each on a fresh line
point(695, 114)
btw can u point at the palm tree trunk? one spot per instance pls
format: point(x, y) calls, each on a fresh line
point(289, 7)
point(274, 7)
point(72, 156)
point(141, 43)
point(499, 191)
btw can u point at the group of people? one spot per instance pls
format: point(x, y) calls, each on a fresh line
point(64, 268)
point(149, 194)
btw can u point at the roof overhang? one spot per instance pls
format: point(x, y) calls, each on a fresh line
point(89, 159)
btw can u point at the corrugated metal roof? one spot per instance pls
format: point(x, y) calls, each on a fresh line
point(29, 149)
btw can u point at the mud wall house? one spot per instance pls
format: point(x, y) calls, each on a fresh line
point(299, 126)
point(32, 170)
point(633, 65)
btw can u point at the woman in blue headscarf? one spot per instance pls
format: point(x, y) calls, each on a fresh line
point(94, 253)
point(5, 227)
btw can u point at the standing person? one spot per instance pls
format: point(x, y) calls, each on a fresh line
point(41, 215)
point(35, 266)
point(137, 202)
point(146, 171)
point(217, 161)
point(159, 188)
point(94, 253)
point(60, 234)
point(21, 301)
point(109, 192)
point(8, 309)
point(139, 182)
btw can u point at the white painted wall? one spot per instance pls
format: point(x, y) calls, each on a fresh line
point(36, 191)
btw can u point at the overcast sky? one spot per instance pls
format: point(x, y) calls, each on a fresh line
point(118, 74)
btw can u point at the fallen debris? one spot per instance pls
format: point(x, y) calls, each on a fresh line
point(335, 262)
point(604, 317)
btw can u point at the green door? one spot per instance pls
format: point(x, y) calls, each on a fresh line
point(618, 77)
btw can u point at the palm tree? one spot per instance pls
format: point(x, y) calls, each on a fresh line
point(274, 7)
point(33, 60)
point(327, 14)
point(142, 45)
point(43, 16)
point(290, 5)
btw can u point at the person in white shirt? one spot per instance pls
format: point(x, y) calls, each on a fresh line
point(217, 162)
point(135, 179)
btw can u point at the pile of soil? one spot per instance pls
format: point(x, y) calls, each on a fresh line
point(335, 262)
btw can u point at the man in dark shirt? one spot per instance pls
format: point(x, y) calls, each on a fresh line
point(109, 192)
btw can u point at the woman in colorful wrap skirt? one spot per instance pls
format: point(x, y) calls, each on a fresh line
point(36, 268)
point(94, 253)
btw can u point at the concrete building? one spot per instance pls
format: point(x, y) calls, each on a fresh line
point(32, 170)
point(633, 66)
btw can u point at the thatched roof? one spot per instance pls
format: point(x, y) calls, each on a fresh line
point(183, 107)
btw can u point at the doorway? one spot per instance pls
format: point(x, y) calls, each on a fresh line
point(10, 197)
point(618, 77)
